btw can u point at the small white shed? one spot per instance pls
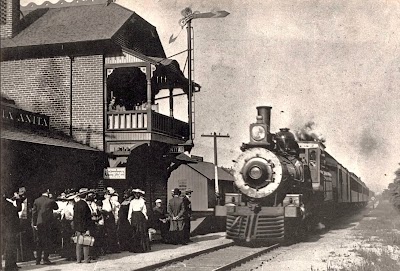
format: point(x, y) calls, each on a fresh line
point(200, 178)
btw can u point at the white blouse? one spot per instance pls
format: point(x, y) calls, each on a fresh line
point(137, 205)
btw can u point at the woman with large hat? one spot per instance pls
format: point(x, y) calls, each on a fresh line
point(137, 217)
point(110, 225)
point(123, 226)
point(67, 227)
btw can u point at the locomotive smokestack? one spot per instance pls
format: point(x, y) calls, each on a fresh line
point(265, 112)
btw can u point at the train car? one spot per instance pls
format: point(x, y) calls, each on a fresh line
point(285, 187)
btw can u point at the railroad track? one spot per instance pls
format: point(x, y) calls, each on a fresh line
point(227, 258)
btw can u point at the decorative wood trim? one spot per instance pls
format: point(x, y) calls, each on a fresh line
point(125, 65)
point(123, 59)
point(166, 139)
point(130, 58)
point(126, 136)
point(63, 3)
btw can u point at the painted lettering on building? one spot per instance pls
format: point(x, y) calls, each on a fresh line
point(17, 117)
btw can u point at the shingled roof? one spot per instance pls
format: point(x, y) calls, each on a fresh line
point(85, 24)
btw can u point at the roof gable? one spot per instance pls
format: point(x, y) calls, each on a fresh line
point(137, 34)
point(72, 24)
point(207, 170)
point(86, 23)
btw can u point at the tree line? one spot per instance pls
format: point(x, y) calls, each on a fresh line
point(392, 193)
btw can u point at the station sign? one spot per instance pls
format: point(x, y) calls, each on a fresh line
point(14, 116)
point(114, 173)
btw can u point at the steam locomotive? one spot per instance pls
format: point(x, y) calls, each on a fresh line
point(286, 187)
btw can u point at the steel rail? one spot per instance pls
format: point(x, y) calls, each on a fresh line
point(184, 257)
point(245, 259)
point(223, 257)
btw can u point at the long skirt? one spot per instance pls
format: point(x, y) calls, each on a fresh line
point(110, 232)
point(140, 236)
point(124, 228)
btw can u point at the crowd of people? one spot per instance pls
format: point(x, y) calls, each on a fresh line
point(32, 230)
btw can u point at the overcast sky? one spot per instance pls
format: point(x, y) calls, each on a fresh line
point(336, 63)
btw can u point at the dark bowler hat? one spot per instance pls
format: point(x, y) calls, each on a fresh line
point(177, 191)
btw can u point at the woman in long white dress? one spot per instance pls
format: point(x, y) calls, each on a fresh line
point(137, 217)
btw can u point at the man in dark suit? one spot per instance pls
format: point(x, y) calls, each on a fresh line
point(42, 221)
point(176, 210)
point(82, 224)
point(10, 229)
point(187, 215)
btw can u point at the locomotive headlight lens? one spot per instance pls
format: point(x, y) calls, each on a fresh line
point(258, 133)
point(255, 173)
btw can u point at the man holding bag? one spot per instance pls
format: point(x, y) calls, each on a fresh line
point(82, 224)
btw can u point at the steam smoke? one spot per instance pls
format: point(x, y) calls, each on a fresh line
point(370, 142)
point(309, 133)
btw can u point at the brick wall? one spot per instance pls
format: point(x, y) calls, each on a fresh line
point(43, 86)
point(40, 85)
point(87, 100)
point(10, 12)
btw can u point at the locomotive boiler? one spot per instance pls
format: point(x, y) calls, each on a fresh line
point(284, 188)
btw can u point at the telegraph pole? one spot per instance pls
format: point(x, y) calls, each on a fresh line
point(215, 136)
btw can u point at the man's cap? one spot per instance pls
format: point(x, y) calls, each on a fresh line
point(177, 191)
point(158, 200)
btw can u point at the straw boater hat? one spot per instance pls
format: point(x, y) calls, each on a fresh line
point(83, 191)
point(158, 200)
point(71, 196)
point(136, 190)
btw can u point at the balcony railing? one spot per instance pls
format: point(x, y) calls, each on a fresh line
point(137, 120)
point(123, 120)
point(169, 126)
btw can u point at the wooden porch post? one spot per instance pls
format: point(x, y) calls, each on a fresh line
point(148, 109)
point(171, 103)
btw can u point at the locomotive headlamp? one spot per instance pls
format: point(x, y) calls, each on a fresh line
point(258, 132)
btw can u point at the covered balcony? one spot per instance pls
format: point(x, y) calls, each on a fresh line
point(133, 83)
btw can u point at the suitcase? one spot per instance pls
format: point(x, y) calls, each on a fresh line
point(85, 240)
